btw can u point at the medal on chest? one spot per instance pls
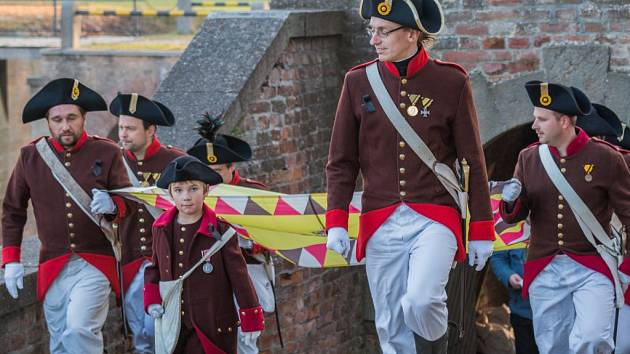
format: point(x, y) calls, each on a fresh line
point(207, 266)
point(424, 102)
point(588, 169)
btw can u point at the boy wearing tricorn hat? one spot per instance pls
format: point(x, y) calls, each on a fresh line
point(64, 176)
point(410, 229)
point(569, 184)
point(181, 237)
point(221, 152)
point(145, 158)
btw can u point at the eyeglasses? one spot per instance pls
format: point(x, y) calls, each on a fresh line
point(381, 33)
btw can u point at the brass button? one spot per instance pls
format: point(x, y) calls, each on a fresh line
point(183, 313)
point(139, 163)
point(68, 205)
point(69, 215)
point(560, 197)
point(68, 154)
point(403, 93)
point(560, 226)
point(229, 329)
point(560, 206)
point(181, 253)
point(402, 105)
point(143, 230)
point(182, 301)
point(72, 234)
point(139, 173)
point(560, 216)
point(403, 193)
point(401, 156)
point(402, 170)
point(140, 210)
point(67, 164)
point(402, 144)
point(181, 240)
point(141, 220)
point(67, 195)
point(73, 246)
point(143, 248)
point(143, 239)
point(183, 228)
point(180, 264)
point(563, 170)
point(560, 235)
point(402, 183)
point(70, 225)
point(403, 81)
point(563, 160)
point(219, 330)
point(560, 243)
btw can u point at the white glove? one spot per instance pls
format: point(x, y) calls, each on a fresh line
point(511, 190)
point(102, 203)
point(14, 278)
point(251, 336)
point(479, 252)
point(338, 241)
point(155, 310)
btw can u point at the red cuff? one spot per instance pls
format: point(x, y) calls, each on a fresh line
point(509, 217)
point(121, 207)
point(336, 218)
point(151, 295)
point(11, 254)
point(625, 266)
point(252, 319)
point(481, 230)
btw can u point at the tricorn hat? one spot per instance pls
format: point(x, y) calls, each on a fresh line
point(138, 106)
point(602, 121)
point(423, 15)
point(62, 91)
point(187, 168)
point(558, 98)
point(217, 149)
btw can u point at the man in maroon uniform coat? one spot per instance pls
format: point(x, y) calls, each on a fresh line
point(570, 286)
point(145, 158)
point(76, 266)
point(410, 226)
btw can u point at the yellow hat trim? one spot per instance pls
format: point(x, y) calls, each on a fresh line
point(210, 153)
point(75, 90)
point(545, 99)
point(133, 103)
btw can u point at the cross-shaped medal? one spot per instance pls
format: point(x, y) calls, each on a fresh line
point(425, 112)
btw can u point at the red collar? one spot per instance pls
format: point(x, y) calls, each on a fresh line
point(576, 144)
point(418, 62)
point(209, 217)
point(236, 179)
point(152, 149)
point(60, 149)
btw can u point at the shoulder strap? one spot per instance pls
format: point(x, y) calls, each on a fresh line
point(444, 174)
point(608, 249)
point(155, 212)
point(80, 197)
point(227, 235)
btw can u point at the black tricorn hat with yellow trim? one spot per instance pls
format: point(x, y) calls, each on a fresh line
point(62, 91)
point(218, 149)
point(602, 122)
point(558, 98)
point(187, 168)
point(138, 106)
point(423, 15)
